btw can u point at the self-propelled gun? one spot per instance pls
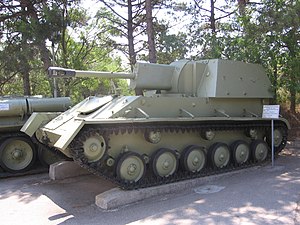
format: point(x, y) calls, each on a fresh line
point(195, 118)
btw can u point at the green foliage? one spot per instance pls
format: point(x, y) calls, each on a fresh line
point(86, 54)
point(25, 28)
point(266, 33)
point(169, 47)
point(272, 38)
point(54, 21)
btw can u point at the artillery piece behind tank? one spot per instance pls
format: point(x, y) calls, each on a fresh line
point(18, 152)
point(195, 118)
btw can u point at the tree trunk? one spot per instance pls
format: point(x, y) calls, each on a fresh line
point(130, 29)
point(275, 83)
point(25, 49)
point(132, 55)
point(242, 6)
point(63, 36)
point(26, 83)
point(212, 17)
point(293, 100)
point(150, 32)
point(294, 68)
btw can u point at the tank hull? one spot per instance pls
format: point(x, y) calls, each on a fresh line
point(101, 139)
point(139, 109)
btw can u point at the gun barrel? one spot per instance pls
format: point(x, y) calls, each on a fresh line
point(58, 72)
point(11, 107)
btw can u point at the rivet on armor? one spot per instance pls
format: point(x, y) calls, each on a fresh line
point(125, 149)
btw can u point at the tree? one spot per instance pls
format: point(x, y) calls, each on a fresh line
point(276, 30)
point(206, 26)
point(120, 26)
point(85, 51)
point(169, 47)
point(28, 24)
point(150, 31)
point(138, 23)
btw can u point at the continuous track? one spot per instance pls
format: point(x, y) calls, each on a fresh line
point(150, 179)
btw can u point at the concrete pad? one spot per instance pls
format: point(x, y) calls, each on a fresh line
point(117, 197)
point(255, 196)
point(66, 169)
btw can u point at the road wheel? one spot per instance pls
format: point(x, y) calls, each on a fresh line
point(17, 154)
point(240, 152)
point(193, 158)
point(130, 167)
point(220, 155)
point(259, 150)
point(164, 162)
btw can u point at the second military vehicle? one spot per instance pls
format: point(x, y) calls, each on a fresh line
point(18, 152)
point(194, 119)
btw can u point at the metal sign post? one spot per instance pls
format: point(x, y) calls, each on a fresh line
point(272, 136)
point(271, 112)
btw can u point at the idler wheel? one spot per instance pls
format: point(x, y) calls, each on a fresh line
point(259, 150)
point(278, 138)
point(193, 158)
point(17, 154)
point(240, 152)
point(130, 167)
point(220, 155)
point(94, 147)
point(164, 162)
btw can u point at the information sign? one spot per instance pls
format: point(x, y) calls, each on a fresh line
point(270, 111)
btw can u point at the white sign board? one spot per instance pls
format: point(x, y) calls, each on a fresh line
point(4, 106)
point(271, 111)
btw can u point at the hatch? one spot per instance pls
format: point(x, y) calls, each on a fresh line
point(94, 103)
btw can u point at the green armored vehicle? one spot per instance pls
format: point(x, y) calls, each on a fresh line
point(18, 152)
point(195, 118)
